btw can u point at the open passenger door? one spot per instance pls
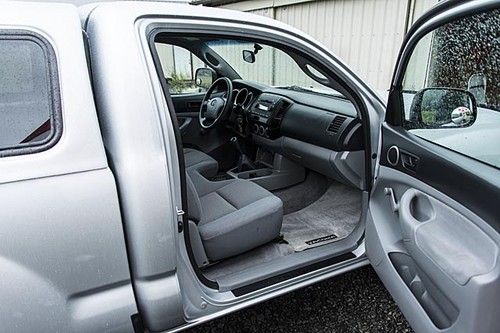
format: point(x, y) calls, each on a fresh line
point(432, 231)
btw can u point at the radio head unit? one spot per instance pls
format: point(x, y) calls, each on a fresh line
point(265, 106)
point(266, 113)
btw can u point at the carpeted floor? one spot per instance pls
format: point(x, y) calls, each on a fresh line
point(302, 195)
point(316, 208)
point(330, 218)
point(353, 302)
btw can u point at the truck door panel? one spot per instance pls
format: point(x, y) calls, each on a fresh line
point(433, 225)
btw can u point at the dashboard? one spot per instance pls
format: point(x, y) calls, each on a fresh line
point(266, 114)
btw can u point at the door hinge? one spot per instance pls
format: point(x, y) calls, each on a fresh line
point(180, 219)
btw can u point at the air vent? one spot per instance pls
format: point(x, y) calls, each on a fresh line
point(336, 124)
point(279, 109)
point(282, 107)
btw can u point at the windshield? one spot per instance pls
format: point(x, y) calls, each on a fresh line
point(271, 66)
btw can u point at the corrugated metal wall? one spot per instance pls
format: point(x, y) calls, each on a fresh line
point(268, 12)
point(421, 6)
point(358, 31)
point(178, 60)
point(365, 34)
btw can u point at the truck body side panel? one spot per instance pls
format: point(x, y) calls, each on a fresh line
point(62, 249)
point(138, 150)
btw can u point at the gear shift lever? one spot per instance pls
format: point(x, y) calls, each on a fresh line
point(244, 162)
point(236, 144)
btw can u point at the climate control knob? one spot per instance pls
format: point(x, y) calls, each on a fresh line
point(262, 130)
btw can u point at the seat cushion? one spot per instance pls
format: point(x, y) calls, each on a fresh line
point(198, 161)
point(238, 216)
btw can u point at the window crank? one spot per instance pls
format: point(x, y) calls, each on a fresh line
point(394, 204)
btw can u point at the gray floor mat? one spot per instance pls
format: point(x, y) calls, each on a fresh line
point(336, 213)
point(254, 257)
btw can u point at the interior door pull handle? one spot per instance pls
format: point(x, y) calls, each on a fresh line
point(409, 161)
point(394, 204)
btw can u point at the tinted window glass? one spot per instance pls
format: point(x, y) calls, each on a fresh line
point(25, 100)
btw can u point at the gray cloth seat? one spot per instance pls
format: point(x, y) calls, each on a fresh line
point(232, 216)
point(198, 161)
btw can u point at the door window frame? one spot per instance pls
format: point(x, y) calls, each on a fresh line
point(482, 178)
point(312, 53)
point(427, 23)
point(430, 21)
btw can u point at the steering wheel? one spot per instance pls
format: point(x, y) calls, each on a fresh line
point(216, 103)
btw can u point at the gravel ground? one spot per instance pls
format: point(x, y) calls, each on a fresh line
point(353, 302)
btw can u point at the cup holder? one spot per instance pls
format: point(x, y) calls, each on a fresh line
point(255, 173)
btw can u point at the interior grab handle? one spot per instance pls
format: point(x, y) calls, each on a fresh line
point(394, 204)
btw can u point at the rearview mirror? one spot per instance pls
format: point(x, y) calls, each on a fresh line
point(443, 108)
point(204, 77)
point(249, 56)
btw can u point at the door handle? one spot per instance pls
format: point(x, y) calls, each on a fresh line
point(409, 161)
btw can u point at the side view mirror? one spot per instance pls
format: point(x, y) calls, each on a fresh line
point(443, 108)
point(204, 77)
point(248, 56)
point(477, 87)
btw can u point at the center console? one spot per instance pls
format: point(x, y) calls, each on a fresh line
point(266, 113)
point(271, 171)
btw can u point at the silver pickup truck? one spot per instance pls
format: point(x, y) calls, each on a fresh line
point(136, 197)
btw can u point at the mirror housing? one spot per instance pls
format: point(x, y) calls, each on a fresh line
point(443, 108)
point(248, 56)
point(477, 87)
point(204, 77)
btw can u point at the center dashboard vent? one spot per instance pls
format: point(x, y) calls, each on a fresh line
point(283, 105)
point(336, 124)
point(279, 111)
